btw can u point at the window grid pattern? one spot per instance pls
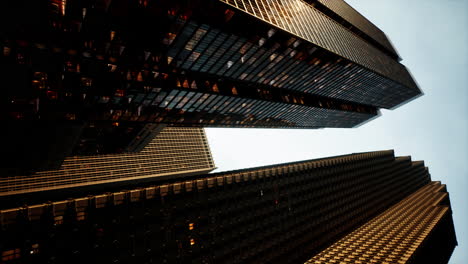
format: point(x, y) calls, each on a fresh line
point(395, 235)
point(223, 110)
point(306, 22)
point(271, 214)
point(333, 78)
point(121, 76)
point(173, 151)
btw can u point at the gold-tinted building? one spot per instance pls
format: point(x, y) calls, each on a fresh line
point(282, 213)
point(417, 230)
point(174, 152)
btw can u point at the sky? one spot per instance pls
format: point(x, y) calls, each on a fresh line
point(432, 38)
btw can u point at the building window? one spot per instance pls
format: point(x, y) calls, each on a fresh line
point(58, 220)
point(80, 216)
point(215, 88)
point(34, 249)
point(11, 254)
point(234, 91)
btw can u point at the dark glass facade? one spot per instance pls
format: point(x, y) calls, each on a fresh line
point(381, 80)
point(196, 63)
point(103, 70)
point(275, 214)
point(417, 230)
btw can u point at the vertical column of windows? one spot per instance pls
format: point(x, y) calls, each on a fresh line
point(159, 98)
point(257, 107)
point(274, 61)
point(165, 102)
point(246, 60)
point(201, 103)
point(346, 79)
point(292, 113)
point(257, 64)
point(272, 12)
point(280, 14)
point(258, 10)
point(240, 4)
point(181, 40)
point(185, 100)
point(320, 79)
point(286, 78)
point(337, 78)
point(226, 60)
point(308, 23)
point(271, 111)
point(286, 70)
point(191, 102)
point(267, 11)
point(225, 103)
point(248, 7)
point(195, 106)
point(237, 59)
point(179, 97)
point(311, 22)
point(217, 104)
point(240, 105)
point(244, 106)
point(259, 69)
point(290, 16)
point(218, 52)
point(263, 10)
point(327, 29)
point(280, 67)
point(308, 76)
point(199, 55)
point(235, 105)
point(297, 8)
point(187, 53)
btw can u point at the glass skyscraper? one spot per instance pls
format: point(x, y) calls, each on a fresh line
point(287, 63)
point(109, 67)
point(104, 159)
point(284, 213)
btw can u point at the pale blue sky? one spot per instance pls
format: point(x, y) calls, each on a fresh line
point(432, 38)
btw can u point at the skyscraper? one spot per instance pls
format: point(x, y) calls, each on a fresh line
point(284, 213)
point(86, 65)
point(174, 153)
point(417, 230)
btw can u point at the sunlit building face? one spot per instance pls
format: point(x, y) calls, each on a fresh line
point(376, 207)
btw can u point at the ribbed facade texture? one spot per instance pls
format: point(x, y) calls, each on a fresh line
point(174, 152)
point(419, 229)
point(275, 214)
